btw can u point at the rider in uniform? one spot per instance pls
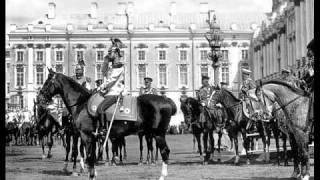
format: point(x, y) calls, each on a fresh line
point(247, 84)
point(287, 76)
point(308, 79)
point(204, 96)
point(148, 89)
point(80, 78)
point(113, 84)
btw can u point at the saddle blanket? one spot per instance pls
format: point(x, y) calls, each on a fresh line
point(129, 103)
point(128, 114)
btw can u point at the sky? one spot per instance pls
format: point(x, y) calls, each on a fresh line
point(22, 12)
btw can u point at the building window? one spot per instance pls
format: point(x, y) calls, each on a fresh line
point(183, 55)
point(40, 74)
point(204, 70)
point(20, 56)
point(163, 75)
point(203, 55)
point(141, 55)
point(100, 56)
point(142, 73)
point(59, 68)
point(20, 76)
point(7, 54)
point(225, 55)
point(59, 57)
point(225, 74)
point(183, 75)
point(39, 56)
point(80, 57)
point(99, 71)
point(162, 55)
point(244, 54)
point(7, 67)
point(8, 87)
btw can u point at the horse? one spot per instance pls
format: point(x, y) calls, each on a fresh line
point(215, 121)
point(150, 156)
point(46, 126)
point(239, 121)
point(295, 104)
point(12, 131)
point(26, 133)
point(155, 112)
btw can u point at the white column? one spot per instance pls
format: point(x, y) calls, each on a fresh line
point(30, 65)
point(259, 63)
point(311, 9)
point(303, 28)
point(265, 59)
point(298, 32)
point(308, 20)
point(48, 59)
point(283, 50)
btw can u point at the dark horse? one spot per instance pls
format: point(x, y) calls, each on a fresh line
point(155, 112)
point(12, 131)
point(215, 120)
point(46, 126)
point(239, 121)
point(295, 104)
point(27, 133)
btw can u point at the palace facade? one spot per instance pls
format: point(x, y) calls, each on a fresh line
point(281, 41)
point(168, 47)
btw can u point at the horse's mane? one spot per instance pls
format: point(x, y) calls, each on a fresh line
point(231, 94)
point(283, 83)
point(74, 84)
point(194, 103)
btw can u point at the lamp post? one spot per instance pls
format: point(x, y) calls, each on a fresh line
point(214, 37)
point(19, 93)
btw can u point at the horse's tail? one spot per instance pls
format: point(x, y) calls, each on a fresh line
point(173, 106)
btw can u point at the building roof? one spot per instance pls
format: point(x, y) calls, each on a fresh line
point(237, 21)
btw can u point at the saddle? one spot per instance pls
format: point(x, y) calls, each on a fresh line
point(129, 103)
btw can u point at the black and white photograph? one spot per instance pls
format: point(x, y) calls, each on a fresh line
point(159, 90)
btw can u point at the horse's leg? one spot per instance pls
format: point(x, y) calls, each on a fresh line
point(157, 150)
point(164, 150)
point(219, 146)
point(284, 146)
point(205, 147)
point(268, 131)
point(82, 146)
point(114, 158)
point(124, 149)
point(194, 142)
point(295, 152)
point(305, 163)
point(148, 148)
point(50, 144)
point(198, 138)
point(235, 140)
point(74, 153)
point(100, 149)
point(231, 142)
point(41, 137)
point(120, 151)
point(90, 145)
point(246, 144)
point(67, 146)
point(141, 147)
point(211, 145)
point(107, 152)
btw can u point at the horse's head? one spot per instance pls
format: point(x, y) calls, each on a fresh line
point(50, 88)
point(190, 108)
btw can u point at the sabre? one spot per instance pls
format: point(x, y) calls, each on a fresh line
point(108, 132)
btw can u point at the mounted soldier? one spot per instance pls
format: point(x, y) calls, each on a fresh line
point(80, 78)
point(113, 81)
point(148, 89)
point(204, 96)
point(247, 84)
point(287, 76)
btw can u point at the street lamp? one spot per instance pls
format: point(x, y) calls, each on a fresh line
point(19, 93)
point(215, 38)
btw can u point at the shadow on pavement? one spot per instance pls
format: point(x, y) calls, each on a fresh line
point(56, 172)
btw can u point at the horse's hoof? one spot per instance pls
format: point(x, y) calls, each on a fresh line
point(153, 163)
point(81, 171)
point(219, 160)
point(43, 156)
point(248, 162)
point(140, 163)
point(75, 174)
point(201, 158)
point(205, 162)
point(295, 175)
point(306, 177)
point(161, 178)
point(49, 156)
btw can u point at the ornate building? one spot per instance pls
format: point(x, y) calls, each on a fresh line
point(282, 40)
point(168, 47)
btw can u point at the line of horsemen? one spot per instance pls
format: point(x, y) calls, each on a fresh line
point(112, 85)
